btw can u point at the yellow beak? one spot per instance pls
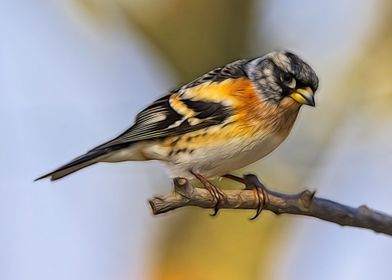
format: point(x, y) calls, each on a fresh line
point(304, 96)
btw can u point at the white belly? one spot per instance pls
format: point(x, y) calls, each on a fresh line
point(217, 161)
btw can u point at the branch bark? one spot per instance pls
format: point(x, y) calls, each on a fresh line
point(304, 203)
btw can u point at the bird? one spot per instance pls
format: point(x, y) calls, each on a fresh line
point(222, 121)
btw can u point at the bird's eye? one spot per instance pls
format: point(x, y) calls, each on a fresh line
point(288, 79)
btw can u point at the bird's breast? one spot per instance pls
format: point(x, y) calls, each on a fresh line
point(219, 149)
point(213, 156)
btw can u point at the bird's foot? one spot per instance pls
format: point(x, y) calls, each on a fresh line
point(251, 182)
point(217, 194)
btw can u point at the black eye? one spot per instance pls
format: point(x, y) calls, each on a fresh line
point(286, 77)
point(288, 80)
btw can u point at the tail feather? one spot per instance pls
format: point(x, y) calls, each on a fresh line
point(75, 165)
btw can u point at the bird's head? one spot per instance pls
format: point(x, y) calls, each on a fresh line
point(281, 74)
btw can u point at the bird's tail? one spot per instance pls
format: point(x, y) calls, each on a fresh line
point(75, 165)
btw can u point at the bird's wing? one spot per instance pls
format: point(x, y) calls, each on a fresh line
point(185, 109)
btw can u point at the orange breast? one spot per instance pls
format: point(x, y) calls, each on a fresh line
point(252, 116)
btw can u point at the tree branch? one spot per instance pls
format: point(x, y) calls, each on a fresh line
point(304, 203)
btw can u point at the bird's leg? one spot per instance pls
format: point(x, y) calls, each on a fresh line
point(251, 182)
point(215, 192)
point(235, 178)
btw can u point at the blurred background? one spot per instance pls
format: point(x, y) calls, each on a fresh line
point(73, 74)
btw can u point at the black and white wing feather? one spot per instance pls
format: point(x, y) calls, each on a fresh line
point(161, 119)
point(164, 118)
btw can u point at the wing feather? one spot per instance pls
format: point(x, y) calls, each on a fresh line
point(173, 114)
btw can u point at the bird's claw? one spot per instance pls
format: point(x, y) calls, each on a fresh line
point(253, 183)
point(218, 196)
point(216, 193)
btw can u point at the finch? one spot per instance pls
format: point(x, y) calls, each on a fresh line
point(222, 121)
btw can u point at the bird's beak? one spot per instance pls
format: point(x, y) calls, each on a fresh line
point(304, 96)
